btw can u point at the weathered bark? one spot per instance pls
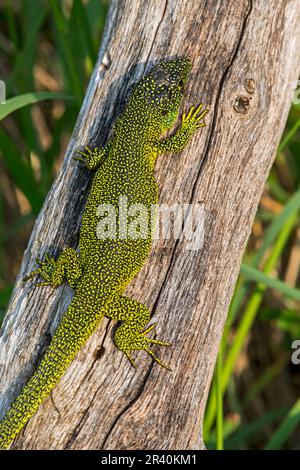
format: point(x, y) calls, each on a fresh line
point(245, 62)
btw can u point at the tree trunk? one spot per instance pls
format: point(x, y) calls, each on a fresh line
point(245, 59)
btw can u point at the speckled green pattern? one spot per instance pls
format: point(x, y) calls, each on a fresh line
point(103, 267)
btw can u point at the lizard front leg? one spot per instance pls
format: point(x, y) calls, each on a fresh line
point(93, 158)
point(131, 335)
point(67, 267)
point(190, 122)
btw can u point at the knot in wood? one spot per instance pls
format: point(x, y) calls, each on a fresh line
point(249, 85)
point(241, 104)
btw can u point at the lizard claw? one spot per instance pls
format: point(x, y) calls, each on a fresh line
point(79, 159)
point(155, 341)
point(84, 155)
point(193, 118)
point(91, 158)
point(45, 269)
point(151, 353)
point(140, 343)
point(31, 275)
point(130, 359)
point(44, 283)
point(149, 329)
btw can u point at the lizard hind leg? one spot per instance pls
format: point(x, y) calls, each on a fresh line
point(131, 334)
point(66, 267)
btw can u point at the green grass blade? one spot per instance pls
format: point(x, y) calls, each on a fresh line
point(263, 380)
point(63, 40)
point(219, 400)
point(231, 424)
point(249, 432)
point(85, 30)
point(289, 136)
point(11, 26)
point(20, 75)
point(20, 101)
point(285, 429)
point(260, 277)
point(277, 191)
point(290, 208)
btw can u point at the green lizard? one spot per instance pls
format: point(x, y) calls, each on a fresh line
point(102, 268)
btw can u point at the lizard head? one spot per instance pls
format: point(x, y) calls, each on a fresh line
point(160, 92)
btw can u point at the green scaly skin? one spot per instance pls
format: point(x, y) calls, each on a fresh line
point(102, 268)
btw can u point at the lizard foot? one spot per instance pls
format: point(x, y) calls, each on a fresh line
point(45, 270)
point(92, 158)
point(139, 342)
point(66, 267)
point(83, 156)
point(194, 118)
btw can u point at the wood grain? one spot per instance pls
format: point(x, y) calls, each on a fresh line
point(245, 63)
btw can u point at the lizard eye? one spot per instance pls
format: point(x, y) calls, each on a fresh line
point(164, 112)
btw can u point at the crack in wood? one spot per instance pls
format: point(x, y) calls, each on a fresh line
point(79, 427)
point(218, 96)
point(156, 31)
point(130, 404)
point(54, 405)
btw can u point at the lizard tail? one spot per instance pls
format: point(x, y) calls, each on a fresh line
point(74, 330)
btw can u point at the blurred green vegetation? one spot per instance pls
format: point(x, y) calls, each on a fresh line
point(48, 49)
point(267, 296)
